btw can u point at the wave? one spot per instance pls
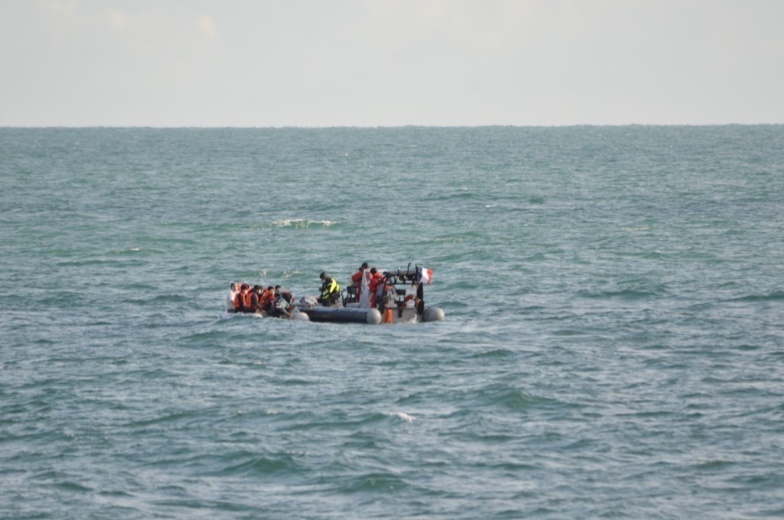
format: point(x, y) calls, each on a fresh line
point(248, 463)
point(623, 294)
point(348, 423)
point(301, 223)
point(383, 482)
point(402, 416)
point(770, 297)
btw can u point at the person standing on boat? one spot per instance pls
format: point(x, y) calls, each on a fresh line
point(376, 279)
point(330, 290)
point(361, 281)
point(356, 278)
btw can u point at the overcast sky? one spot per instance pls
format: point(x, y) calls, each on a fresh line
point(314, 63)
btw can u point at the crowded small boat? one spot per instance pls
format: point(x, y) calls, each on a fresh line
point(373, 296)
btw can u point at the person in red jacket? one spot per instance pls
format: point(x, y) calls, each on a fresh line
point(376, 280)
point(357, 279)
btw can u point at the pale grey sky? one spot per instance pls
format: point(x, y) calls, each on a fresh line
point(315, 63)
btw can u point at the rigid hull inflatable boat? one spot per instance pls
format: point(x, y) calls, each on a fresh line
point(399, 298)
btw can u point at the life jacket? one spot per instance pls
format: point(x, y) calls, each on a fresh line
point(247, 300)
point(374, 281)
point(267, 300)
point(254, 301)
point(329, 287)
point(239, 301)
point(373, 286)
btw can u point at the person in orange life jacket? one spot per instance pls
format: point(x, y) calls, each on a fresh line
point(250, 300)
point(330, 290)
point(239, 299)
point(356, 278)
point(268, 300)
point(375, 281)
point(253, 299)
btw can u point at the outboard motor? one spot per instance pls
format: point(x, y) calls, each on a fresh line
point(350, 294)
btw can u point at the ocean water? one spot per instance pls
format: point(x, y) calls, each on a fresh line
point(613, 343)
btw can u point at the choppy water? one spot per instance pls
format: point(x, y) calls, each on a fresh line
point(612, 347)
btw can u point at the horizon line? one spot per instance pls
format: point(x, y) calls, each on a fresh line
point(373, 127)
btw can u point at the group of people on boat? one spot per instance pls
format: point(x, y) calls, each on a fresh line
point(365, 275)
point(376, 283)
point(272, 301)
point(367, 289)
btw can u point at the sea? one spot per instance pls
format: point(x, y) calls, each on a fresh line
point(613, 341)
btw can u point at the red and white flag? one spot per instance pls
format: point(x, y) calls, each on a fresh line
point(426, 275)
